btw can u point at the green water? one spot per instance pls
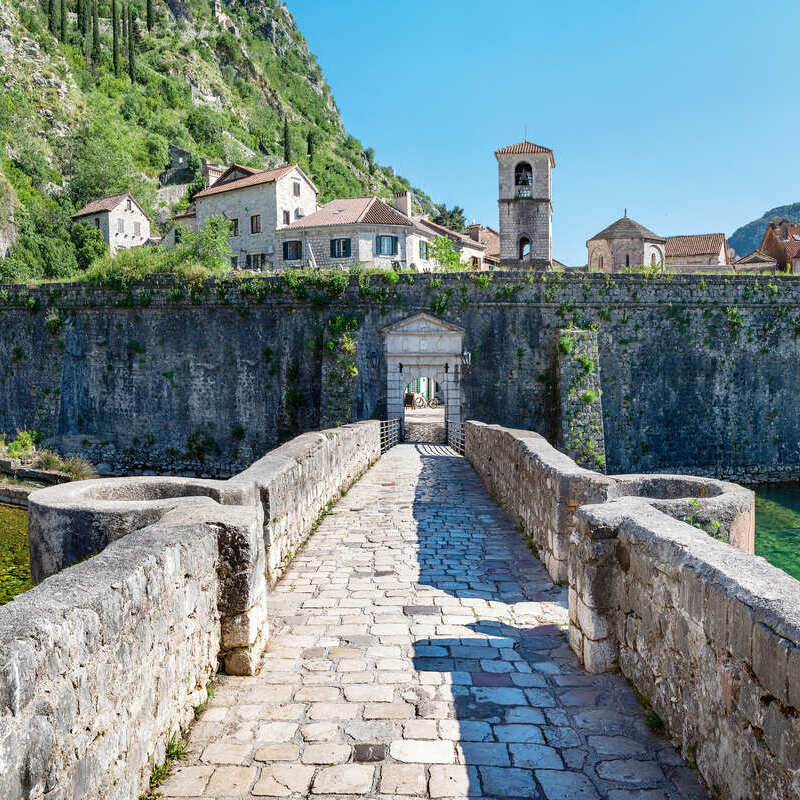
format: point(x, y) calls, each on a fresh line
point(778, 526)
point(15, 567)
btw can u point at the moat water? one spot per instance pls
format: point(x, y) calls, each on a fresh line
point(15, 566)
point(778, 525)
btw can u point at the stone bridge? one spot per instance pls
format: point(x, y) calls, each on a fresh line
point(349, 618)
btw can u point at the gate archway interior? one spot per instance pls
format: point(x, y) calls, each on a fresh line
point(424, 346)
point(423, 410)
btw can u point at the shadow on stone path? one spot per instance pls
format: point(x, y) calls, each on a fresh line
point(418, 651)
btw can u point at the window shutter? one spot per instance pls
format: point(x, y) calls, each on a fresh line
point(347, 248)
point(286, 251)
point(333, 248)
point(377, 245)
point(394, 245)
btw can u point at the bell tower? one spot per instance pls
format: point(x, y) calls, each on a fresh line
point(526, 209)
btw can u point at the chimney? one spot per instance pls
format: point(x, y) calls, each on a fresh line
point(402, 202)
point(475, 232)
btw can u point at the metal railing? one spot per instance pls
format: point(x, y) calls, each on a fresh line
point(455, 435)
point(390, 433)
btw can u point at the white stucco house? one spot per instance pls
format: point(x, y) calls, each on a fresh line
point(119, 218)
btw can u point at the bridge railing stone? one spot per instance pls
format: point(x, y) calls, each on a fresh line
point(708, 633)
point(105, 659)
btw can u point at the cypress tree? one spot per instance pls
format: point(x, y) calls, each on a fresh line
point(115, 37)
point(63, 28)
point(87, 43)
point(131, 48)
point(52, 18)
point(79, 12)
point(149, 16)
point(287, 147)
point(95, 35)
point(310, 144)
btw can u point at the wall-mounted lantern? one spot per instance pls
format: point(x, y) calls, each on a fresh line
point(400, 366)
point(466, 360)
point(372, 358)
point(446, 369)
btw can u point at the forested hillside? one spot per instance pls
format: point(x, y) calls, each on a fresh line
point(748, 238)
point(92, 92)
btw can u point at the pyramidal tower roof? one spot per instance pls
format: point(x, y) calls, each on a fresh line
point(525, 148)
point(627, 228)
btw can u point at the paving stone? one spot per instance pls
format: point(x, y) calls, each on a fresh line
point(370, 752)
point(231, 780)
point(403, 779)
point(422, 752)
point(615, 745)
point(187, 782)
point(283, 780)
point(645, 773)
point(344, 779)
point(454, 781)
point(325, 753)
point(491, 753)
point(388, 711)
point(276, 731)
point(277, 752)
point(362, 693)
point(566, 785)
point(227, 753)
point(535, 756)
point(518, 733)
point(320, 732)
point(508, 782)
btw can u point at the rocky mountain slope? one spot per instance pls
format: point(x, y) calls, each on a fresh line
point(748, 238)
point(226, 83)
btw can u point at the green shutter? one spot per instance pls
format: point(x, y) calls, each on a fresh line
point(333, 248)
point(286, 251)
point(347, 250)
point(377, 245)
point(394, 245)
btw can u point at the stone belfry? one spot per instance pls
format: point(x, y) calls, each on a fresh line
point(526, 209)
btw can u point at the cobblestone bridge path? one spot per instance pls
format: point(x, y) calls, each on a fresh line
point(418, 651)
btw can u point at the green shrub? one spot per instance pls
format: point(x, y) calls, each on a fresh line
point(79, 469)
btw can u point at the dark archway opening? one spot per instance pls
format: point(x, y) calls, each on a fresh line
point(424, 411)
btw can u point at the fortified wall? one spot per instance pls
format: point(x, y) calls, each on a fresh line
point(692, 374)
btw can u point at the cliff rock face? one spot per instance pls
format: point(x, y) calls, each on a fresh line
point(748, 238)
point(220, 80)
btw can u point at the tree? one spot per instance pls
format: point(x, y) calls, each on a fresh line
point(131, 47)
point(310, 145)
point(63, 26)
point(370, 154)
point(95, 35)
point(287, 145)
point(87, 39)
point(79, 13)
point(114, 36)
point(149, 16)
point(212, 247)
point(444, 253)
point(451, 218)
point(52, 17)
point(89, 244)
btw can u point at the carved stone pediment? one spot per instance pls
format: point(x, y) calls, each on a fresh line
point(422, 323)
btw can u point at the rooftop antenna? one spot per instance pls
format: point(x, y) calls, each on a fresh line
point(525, 134)
point(626, 213)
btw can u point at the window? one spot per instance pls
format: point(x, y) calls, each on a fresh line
point(601, 262)
point(255, 223)
point(97, 222)
point(297, 188)
point(523, 179)
point(255, 260)
point(524, 248)
point(423, 249)
point(340, 248)
point(627, 260)
point(652, 259)
point(234, 262)
point(137, 228)
point(292, 251)
point(287, 217)
point(386, 245)
point(234, 226)
point(120, 226)
point(476, 262)
point(298, 213)
point(128, 206)
point(178, 234)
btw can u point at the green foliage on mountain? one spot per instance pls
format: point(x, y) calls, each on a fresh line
point(748, 238)
point(240, 87)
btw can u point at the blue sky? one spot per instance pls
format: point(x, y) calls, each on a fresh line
point(684, 112)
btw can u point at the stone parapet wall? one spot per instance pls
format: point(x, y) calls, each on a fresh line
point(103, 661)
point(708, 633)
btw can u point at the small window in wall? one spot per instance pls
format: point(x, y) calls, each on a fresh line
point(386, 245)
point(523, 174)
point(298, 213)
point(120, 226)
point(255, 223)
point(423, 249)
point(292, 251)
point(340, 248)
point(234, 262)
point(137, 228)
point(234, 226)
point(297, 188)
point(128, 205)
point(524, 248)
point(601, 262)
point(627, 260)
point(255, 260)
point(97, 222)
point(476, 262)
point(652, 259)
point(287, 217)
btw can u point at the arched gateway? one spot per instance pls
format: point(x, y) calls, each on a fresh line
point(423, 345)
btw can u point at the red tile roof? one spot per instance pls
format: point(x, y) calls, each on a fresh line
point(694, 245)
point(524, 148)
point(428, 226)
point(104, 204)
point(255, 178)
point(491, 238)
point(353, 211)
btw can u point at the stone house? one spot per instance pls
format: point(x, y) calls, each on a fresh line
point(782, 242)
point(524, 197)
point(184, 219)
point(119, 218)
point(623, 245)
point(470, 251)
point(259, 203)
point(490, 238)
point(354, 230)
point(757, 261)
point(699, 250)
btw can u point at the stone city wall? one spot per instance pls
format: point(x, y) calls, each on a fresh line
point(698, 374)
point(708, 633)
point(105, 660)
